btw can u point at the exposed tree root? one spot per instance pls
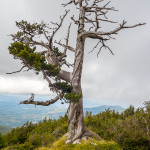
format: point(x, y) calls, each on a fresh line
point(91, 134)
point(85, 136)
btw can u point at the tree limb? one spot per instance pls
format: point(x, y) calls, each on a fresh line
point(58, 27)
point(66, 46)
point(39, 43)
point(52, 87)
point(17, 71)
point(67, 41)
point(65, 75)
point(106, 47)
point(46, 103)
point(92, 34)
point(70, 2)
point(122, 26)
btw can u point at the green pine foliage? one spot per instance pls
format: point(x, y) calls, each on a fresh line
point(35, 61)
point(69, 96)
point(64, 86)
point(72, 97)
point(2, 142)
point(34, 28)
point(129, 130)
point(24, 49)
point(57, 52)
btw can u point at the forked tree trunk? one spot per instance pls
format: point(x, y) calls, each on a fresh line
point(75, 110)
point(76, 126)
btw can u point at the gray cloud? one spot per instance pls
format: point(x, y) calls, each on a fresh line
point(121, 79)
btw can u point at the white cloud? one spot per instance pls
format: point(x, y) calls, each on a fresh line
point(23, 85)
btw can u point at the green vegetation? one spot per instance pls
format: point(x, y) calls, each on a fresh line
point(24, 49)
point(130, 130)
point(30, 136)
point(2, 143)
point(4, 129)
point(90, 144)
point(36, 61)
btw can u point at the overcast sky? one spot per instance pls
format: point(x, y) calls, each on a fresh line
point(122, 79)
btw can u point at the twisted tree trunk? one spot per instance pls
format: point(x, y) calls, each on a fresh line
point(76, 127)
point(75, 110)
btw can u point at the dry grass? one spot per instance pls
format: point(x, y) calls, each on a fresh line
point(90, 144)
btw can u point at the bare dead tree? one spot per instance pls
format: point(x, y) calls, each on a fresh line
point(66, 85)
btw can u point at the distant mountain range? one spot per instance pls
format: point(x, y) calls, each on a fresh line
point(96, 110)
point(13, 115)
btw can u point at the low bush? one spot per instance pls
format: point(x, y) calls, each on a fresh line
point(129, 129)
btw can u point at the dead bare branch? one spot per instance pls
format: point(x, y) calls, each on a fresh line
point(67, 64)
point(46, 103)
point(70, 2)
point(104, 46)
point(92, 34)
point(58, 27)
point(67, 41)
point(52, 87)
point(65, 46)
point(75, 21)
point(95, 47)
point(17, 71)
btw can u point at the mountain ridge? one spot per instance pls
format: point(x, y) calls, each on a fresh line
point(14, 115)
point(98, 109)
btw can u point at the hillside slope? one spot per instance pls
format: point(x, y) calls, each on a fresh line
point(89, 144)
point(4, 129)
point(130, 130)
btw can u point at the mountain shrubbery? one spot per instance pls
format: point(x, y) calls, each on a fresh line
point(2, 143)
point(4, 129)
point(130, 129)
point(89, 144)
point(30, 136)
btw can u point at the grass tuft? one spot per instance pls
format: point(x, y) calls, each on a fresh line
point(90, 144)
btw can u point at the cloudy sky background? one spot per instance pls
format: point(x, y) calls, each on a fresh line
point(122, 79)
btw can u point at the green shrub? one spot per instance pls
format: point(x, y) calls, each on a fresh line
point(89, 144)
point(2, 142)
point(129, 129)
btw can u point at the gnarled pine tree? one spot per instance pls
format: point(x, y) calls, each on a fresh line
point(49, 62)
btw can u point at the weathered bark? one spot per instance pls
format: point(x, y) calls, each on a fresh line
point(76, 126)
point(75, 121)
point(75, 111)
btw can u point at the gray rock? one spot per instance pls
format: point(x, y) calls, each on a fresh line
point(93, 143)
point(77, 141)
